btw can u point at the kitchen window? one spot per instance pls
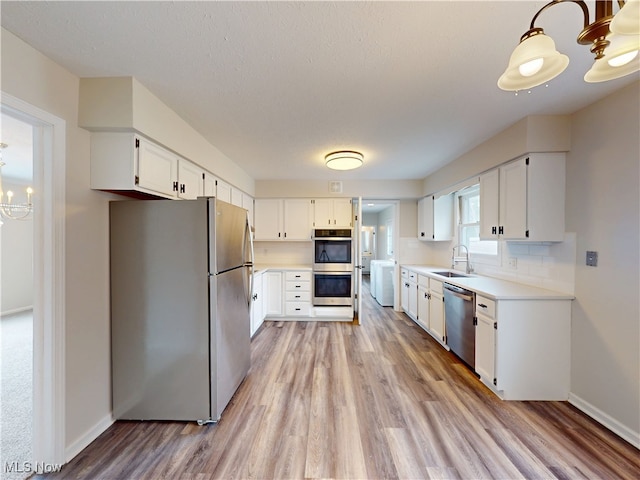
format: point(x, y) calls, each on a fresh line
point(468, 201)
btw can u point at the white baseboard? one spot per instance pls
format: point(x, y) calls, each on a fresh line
point(89, 436)
point(611, 423)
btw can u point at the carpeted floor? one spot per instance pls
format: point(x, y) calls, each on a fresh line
point(16, 395)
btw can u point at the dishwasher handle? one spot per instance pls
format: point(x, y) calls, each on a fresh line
point(465, 295)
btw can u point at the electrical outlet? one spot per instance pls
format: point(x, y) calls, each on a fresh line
point(513, 262)
point(592, 259)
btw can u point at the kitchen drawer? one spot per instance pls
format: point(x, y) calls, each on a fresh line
point(435, 285)
point(298, 296)
point(423, 281)
point(297, 276)
point(404, 273)
point(294, 309)
point(485, 306)
point(297, 286)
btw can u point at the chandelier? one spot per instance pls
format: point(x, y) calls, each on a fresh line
point(614, 40)
point(8, 208)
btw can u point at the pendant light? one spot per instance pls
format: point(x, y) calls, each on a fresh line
point(536, 61)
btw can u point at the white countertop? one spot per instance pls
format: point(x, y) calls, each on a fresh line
point(491, 287)
point(261, 267)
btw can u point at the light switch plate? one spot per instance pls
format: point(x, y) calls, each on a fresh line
point(592, 259)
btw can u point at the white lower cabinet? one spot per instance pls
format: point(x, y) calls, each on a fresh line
point(523, 347)
point(423, 302)
point(272, 285)
point(297, 294)
point(436, 310)
point(485, 338)
point(404, 290)
point(287, 294)
point(257, 305)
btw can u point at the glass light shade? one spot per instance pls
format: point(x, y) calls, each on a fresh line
point(532, 48)
point(627, 20)
point(344, 160)
point(605, 68)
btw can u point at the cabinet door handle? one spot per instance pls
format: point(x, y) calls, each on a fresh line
point(494, 230)
point(175, 186)
point(501, 230)
point(182, 187)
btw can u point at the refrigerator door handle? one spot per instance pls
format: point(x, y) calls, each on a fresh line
point(249, 240)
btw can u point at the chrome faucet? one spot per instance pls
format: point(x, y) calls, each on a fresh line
point(469, 269)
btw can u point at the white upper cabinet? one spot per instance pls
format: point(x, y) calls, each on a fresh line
point(223, 191)
point(435, 218)
point(247, 204)
point(277, 219)
point(524, 199)
point(297, 219)
point(128, 162)
point(268, 218)
point(236, 197)
point(332, 212)
point(209, 185)
point(157, 168)
point(190, 180)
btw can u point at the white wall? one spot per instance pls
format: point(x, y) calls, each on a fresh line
point(16, 258)
point(603, 197)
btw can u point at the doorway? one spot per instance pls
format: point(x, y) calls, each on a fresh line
point(380, 222)
point(16, 298)
point(48, 147)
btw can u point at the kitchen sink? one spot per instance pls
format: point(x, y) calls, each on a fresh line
point(451, 274)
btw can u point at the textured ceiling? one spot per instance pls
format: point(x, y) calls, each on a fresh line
point(276, 85)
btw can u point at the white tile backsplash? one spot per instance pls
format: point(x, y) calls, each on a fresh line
point(545, 265)
point(283, 253)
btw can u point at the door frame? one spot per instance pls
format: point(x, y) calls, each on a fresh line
point(49, 148)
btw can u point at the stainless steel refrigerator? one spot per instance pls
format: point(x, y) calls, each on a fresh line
point(181, 275)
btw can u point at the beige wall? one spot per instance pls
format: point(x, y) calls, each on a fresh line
point(33, 78)
point(603, 172)
point(370, 189)
point(536, 133)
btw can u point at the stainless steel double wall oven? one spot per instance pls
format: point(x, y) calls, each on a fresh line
point(332, 267)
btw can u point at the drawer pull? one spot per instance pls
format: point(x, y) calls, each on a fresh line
point(297, 296)
point(297, 286)
point(482, 305)
point(297, 309)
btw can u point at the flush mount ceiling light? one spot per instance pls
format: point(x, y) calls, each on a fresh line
point(344, 160)
point(536, 61)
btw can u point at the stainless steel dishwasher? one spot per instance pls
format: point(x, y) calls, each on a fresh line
point(459, 305)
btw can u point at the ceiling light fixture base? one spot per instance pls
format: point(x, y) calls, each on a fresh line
point(344, 160)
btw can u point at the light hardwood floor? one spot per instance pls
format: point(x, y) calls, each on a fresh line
point(380, 400)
